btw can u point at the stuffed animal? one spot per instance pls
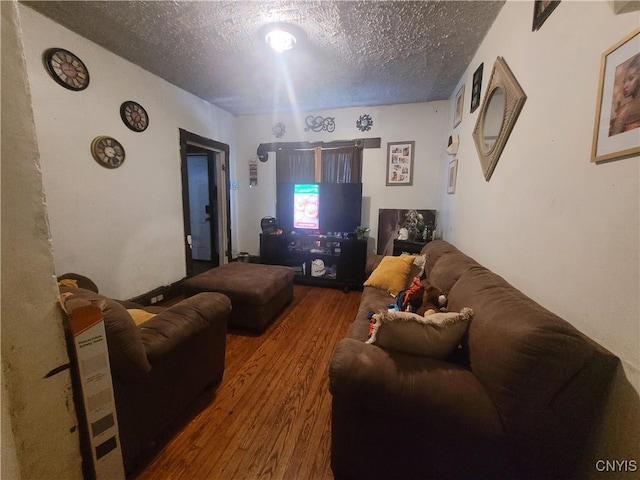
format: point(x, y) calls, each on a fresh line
point(433, 300)
point(409, 300)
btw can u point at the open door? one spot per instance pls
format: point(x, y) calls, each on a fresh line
point(206, 206)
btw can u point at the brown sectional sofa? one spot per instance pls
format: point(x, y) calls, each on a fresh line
point(161, 366)
point(517, 399)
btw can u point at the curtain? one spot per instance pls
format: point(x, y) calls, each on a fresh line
point(338, 165)
point(295, 166)
point(342, 165)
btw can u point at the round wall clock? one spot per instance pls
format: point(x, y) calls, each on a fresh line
point(66, 69)
point(134, 116)
point(107, 151)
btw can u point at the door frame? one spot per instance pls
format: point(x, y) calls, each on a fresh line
point(224, 202)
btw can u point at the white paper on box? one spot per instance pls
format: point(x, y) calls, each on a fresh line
point(90, 341)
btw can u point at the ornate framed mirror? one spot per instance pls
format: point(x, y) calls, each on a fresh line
point(502, 104)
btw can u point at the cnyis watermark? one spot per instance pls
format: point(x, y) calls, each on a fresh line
point(616, 466)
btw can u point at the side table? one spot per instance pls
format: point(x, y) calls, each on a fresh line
point(405, 246)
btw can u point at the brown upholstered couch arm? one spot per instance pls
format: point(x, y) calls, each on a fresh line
point(182, 321)
point(423, 389)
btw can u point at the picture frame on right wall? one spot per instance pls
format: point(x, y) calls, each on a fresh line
point(459, 106)
point(541, 11)
point(616, 132)
point(476, 88)
point(452, 177)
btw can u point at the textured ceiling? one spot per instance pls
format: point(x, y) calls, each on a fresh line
point(352, 53)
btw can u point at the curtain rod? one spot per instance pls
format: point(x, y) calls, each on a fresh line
point(264, 148)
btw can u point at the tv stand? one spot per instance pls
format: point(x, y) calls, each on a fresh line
point(318, 260)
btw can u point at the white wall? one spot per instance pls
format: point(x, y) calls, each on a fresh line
point(104, 221)
point(562, 229)
point(40, 438)
point(424, 123)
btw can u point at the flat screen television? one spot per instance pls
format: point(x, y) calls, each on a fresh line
point(319, 207)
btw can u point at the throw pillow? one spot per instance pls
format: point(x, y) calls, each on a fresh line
point(391, 274)
point(127, 354)
point(435, 336)
point(139, 315)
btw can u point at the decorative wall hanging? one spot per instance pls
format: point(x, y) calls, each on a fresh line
point(457, 118)
point(253, 172)
point(477, 88)
point(279, 130)
point(318, 124)
point(134, 116)
point(617, 126)
point(66, 69)
point(453, 143)
point(453, 174)
point(364, 123)
point(107, 151)
point(400, 163)
point(541, 11)
point(502, 104)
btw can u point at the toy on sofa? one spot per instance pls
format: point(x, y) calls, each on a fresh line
point(409, 300)
point(433, 300)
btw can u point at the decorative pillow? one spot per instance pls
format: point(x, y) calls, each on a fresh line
point(435, 336)
point(391, 275)
point(139, 315)
point(127, 355)
point(68, 282)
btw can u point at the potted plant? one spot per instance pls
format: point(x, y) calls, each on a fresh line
point(361, 232)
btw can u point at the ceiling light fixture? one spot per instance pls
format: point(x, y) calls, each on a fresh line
point(280, 39)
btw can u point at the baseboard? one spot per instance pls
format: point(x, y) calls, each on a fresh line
point(159, 295)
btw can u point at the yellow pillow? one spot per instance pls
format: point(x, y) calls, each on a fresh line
point(391, 274)
point(140, 316)
point(67, 282)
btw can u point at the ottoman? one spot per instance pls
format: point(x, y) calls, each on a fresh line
point(257, 292)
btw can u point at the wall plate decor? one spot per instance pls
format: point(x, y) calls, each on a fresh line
point(107, 151)
point(616, 133)
point(318, 124)
point(400, 163)
point(279, 130)
point(134, 116)
point(66, 69)
point(364, 123)
point(500, 108)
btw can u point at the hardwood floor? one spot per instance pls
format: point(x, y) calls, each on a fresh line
point(270, 416)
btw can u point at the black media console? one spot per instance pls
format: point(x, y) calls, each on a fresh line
point(317, 259)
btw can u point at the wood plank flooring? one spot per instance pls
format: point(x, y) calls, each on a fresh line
point(270, 416)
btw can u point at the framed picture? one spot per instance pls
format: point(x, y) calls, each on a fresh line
point(459, 106)
point(477, 88)
point(541, 11)
point(400, 163)
point(616, 132)
point(453, 173)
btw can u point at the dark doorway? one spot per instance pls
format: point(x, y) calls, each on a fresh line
point(205, 186)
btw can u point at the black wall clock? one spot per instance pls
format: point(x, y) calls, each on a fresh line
point(107, 151)
point(66, 69)
point(134, 116)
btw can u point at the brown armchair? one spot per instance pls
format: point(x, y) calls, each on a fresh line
point(162, 365)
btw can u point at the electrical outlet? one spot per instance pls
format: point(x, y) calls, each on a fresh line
point(159, 298)
point(154, 300)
